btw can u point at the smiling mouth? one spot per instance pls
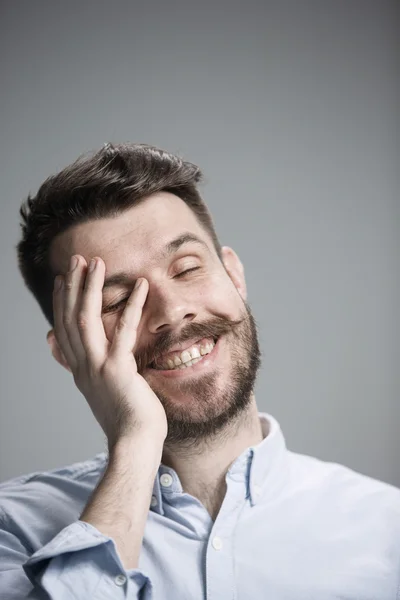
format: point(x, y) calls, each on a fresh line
point(186, 358)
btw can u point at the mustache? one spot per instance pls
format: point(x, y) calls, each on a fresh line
point(214, 327)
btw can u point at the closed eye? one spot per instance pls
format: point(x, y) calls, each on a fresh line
point(114, 306)
point(121, 302)
point(187, 271)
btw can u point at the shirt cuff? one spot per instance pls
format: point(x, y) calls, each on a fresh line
point(82, 561)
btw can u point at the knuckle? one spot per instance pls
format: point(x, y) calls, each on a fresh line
point(68, 283)
point(66, 320)
point(82, 320)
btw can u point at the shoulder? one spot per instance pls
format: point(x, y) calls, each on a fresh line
point(331, 473)
point(343, 489)
point(75, 472)
point(52, 498)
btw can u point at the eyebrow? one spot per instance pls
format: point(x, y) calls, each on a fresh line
point(123, 278)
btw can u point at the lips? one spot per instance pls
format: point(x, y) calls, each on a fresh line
point(189, 369)
point(179, 349)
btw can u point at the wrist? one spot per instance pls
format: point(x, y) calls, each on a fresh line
point(131, 446)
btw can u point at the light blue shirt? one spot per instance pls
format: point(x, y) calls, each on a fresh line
point(291, 527)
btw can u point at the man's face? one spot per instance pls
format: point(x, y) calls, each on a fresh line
point(195, 310)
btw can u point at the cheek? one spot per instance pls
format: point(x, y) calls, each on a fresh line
point(221, 294)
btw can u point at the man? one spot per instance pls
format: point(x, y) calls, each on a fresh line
point(197, 496)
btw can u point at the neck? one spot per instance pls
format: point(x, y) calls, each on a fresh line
point(202, 468)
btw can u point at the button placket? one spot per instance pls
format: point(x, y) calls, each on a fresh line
point(217, 543)
point(120, 580)
point(220, 576)
point(166, 480)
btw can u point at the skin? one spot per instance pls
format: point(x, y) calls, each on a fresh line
point(133, 242)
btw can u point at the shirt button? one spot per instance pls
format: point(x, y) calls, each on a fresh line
point(217, 543)
point(120, 579)
point(166, 480)
point(153, 501)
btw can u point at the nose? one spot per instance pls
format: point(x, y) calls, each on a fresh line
point(168, 309)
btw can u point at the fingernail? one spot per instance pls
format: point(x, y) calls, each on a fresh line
point(92, 264)
point(58, 283)
point(72, 263)
point(138, 284)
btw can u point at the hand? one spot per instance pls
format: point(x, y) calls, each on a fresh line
point(106, 372)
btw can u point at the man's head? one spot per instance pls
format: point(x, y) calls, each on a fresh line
point(139, 209)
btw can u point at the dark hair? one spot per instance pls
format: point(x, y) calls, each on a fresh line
point(96, 186)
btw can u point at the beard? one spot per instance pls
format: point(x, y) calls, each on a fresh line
point(211, 408)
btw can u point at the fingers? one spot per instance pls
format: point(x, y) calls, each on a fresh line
point(125, 336)
point(77, 314)
point(90, 323)
point(78, 321)
point(59, 328)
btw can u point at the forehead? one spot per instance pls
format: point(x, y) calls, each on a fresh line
point(140, 232)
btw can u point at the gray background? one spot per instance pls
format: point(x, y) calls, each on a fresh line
point(291, 110)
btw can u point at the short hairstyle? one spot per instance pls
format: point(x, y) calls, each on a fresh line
point(98, 185)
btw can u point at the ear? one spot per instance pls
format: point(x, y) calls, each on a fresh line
point(56, 350)
point(235, 270)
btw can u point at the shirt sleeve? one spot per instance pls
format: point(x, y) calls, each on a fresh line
point(79, 562)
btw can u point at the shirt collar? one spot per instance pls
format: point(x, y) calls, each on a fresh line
point(261, 467)
point(268, 461)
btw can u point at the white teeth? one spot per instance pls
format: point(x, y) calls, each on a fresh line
point(188, 364)
point(187, 357)
point(195, 352)
point(206, 349)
